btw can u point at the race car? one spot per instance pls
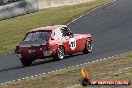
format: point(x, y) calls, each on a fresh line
point(52, 41)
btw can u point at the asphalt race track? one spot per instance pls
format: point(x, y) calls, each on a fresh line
point(111, 27)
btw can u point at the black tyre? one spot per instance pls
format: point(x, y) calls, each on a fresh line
point(88, 46)
point(26, 62)
point(60, 52)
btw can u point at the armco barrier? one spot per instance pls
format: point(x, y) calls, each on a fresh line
point(18, 8)
point(56, 3)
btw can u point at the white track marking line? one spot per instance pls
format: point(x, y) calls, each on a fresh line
point(70, 68)
point(89, 12)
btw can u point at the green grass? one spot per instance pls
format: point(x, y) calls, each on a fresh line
point(13, 30)
point(106, 69)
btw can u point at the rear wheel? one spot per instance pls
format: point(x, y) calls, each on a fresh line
point(59, 53)
point(88, 46)
point(26, 62)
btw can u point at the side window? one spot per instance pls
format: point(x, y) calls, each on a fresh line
point(45, 35)
point(58, 34)
point(66, 31)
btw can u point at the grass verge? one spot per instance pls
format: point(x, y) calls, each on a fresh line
point(13, 30)
point(113, 68)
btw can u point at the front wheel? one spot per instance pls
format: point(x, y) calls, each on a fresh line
point(59, 53)
point(88, 46)
point(26, 62)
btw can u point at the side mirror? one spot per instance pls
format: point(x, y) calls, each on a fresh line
point(71, 35)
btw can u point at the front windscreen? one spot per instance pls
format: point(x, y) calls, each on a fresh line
point(37, 36)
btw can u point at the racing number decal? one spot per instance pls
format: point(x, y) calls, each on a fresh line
point(72, 43)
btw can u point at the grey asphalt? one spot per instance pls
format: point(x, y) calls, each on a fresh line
point(111, 27)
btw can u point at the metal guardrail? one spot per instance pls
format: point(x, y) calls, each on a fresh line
point(14, 8)
point(11, 8)
point(4, 2)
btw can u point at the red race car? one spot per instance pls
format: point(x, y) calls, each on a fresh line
point(51, 41)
